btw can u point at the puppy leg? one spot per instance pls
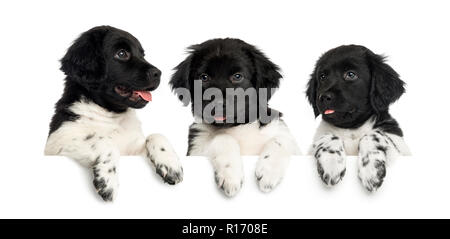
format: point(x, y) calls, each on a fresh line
point(99, 154)
point(161, 154)
point(224, 153)
point(273, 162)
point(330, 155)
point(374, 151)
point(105, 175)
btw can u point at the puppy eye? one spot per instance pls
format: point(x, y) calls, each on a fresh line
point(122, 55)
point(204, 77)
point(350, 75)
point(322, 77)
point(238, 77)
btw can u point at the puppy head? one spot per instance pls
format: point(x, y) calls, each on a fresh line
point(351, 83)
point(109, 64)
point(226, 64)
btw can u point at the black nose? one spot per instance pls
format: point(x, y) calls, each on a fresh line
point(326, 97)
point(154, 74)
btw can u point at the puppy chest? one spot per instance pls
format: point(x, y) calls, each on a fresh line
point(351, 146)
point(129, 138)
point(251, 140)
point(124, 132)
point(352, 137)
point(129, 141)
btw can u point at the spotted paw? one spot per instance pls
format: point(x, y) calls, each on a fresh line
point(330, 171)
point(170, 175)
point(269, 174)
point(371, 173)
point(330, 157)
point(229, 180)
point(105, 182)
point(163, 157)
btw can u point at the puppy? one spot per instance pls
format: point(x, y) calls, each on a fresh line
point(352, 88)
point(95, 122)
point(228, 80)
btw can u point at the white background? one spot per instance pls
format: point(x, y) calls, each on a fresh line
point(36, 34)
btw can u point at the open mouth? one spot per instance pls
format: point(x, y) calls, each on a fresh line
point(134, 95)
point(220, 118)
point(328, 112)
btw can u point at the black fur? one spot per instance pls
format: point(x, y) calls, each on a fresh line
point(94, 72)
point(193, 132)
point(357, 84)
point(220, 59)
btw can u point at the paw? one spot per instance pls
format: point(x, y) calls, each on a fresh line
point(269, 173)
point(165, 160)
point(330, 157)
point(331, 170)
point(371, 173)
point(105, 182)
point(229, 180)
point(171, 173)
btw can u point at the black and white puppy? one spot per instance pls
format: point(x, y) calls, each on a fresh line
point(232, 64)
point(352, 88)
point(95, 122)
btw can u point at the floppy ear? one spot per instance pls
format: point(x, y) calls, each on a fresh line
point(180, 79)
point(386, 84)
point(84, 61)
point(311, 89)
point(267, 74)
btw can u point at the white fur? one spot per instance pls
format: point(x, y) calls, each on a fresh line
point(98, 138)
point(330, 156)
point(163, 157)
point(371, 161)
point(272, 142)
point(351, 137)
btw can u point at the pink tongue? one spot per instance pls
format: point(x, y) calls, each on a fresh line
point(146, 95)
point(217, 118)
point(327, 112)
